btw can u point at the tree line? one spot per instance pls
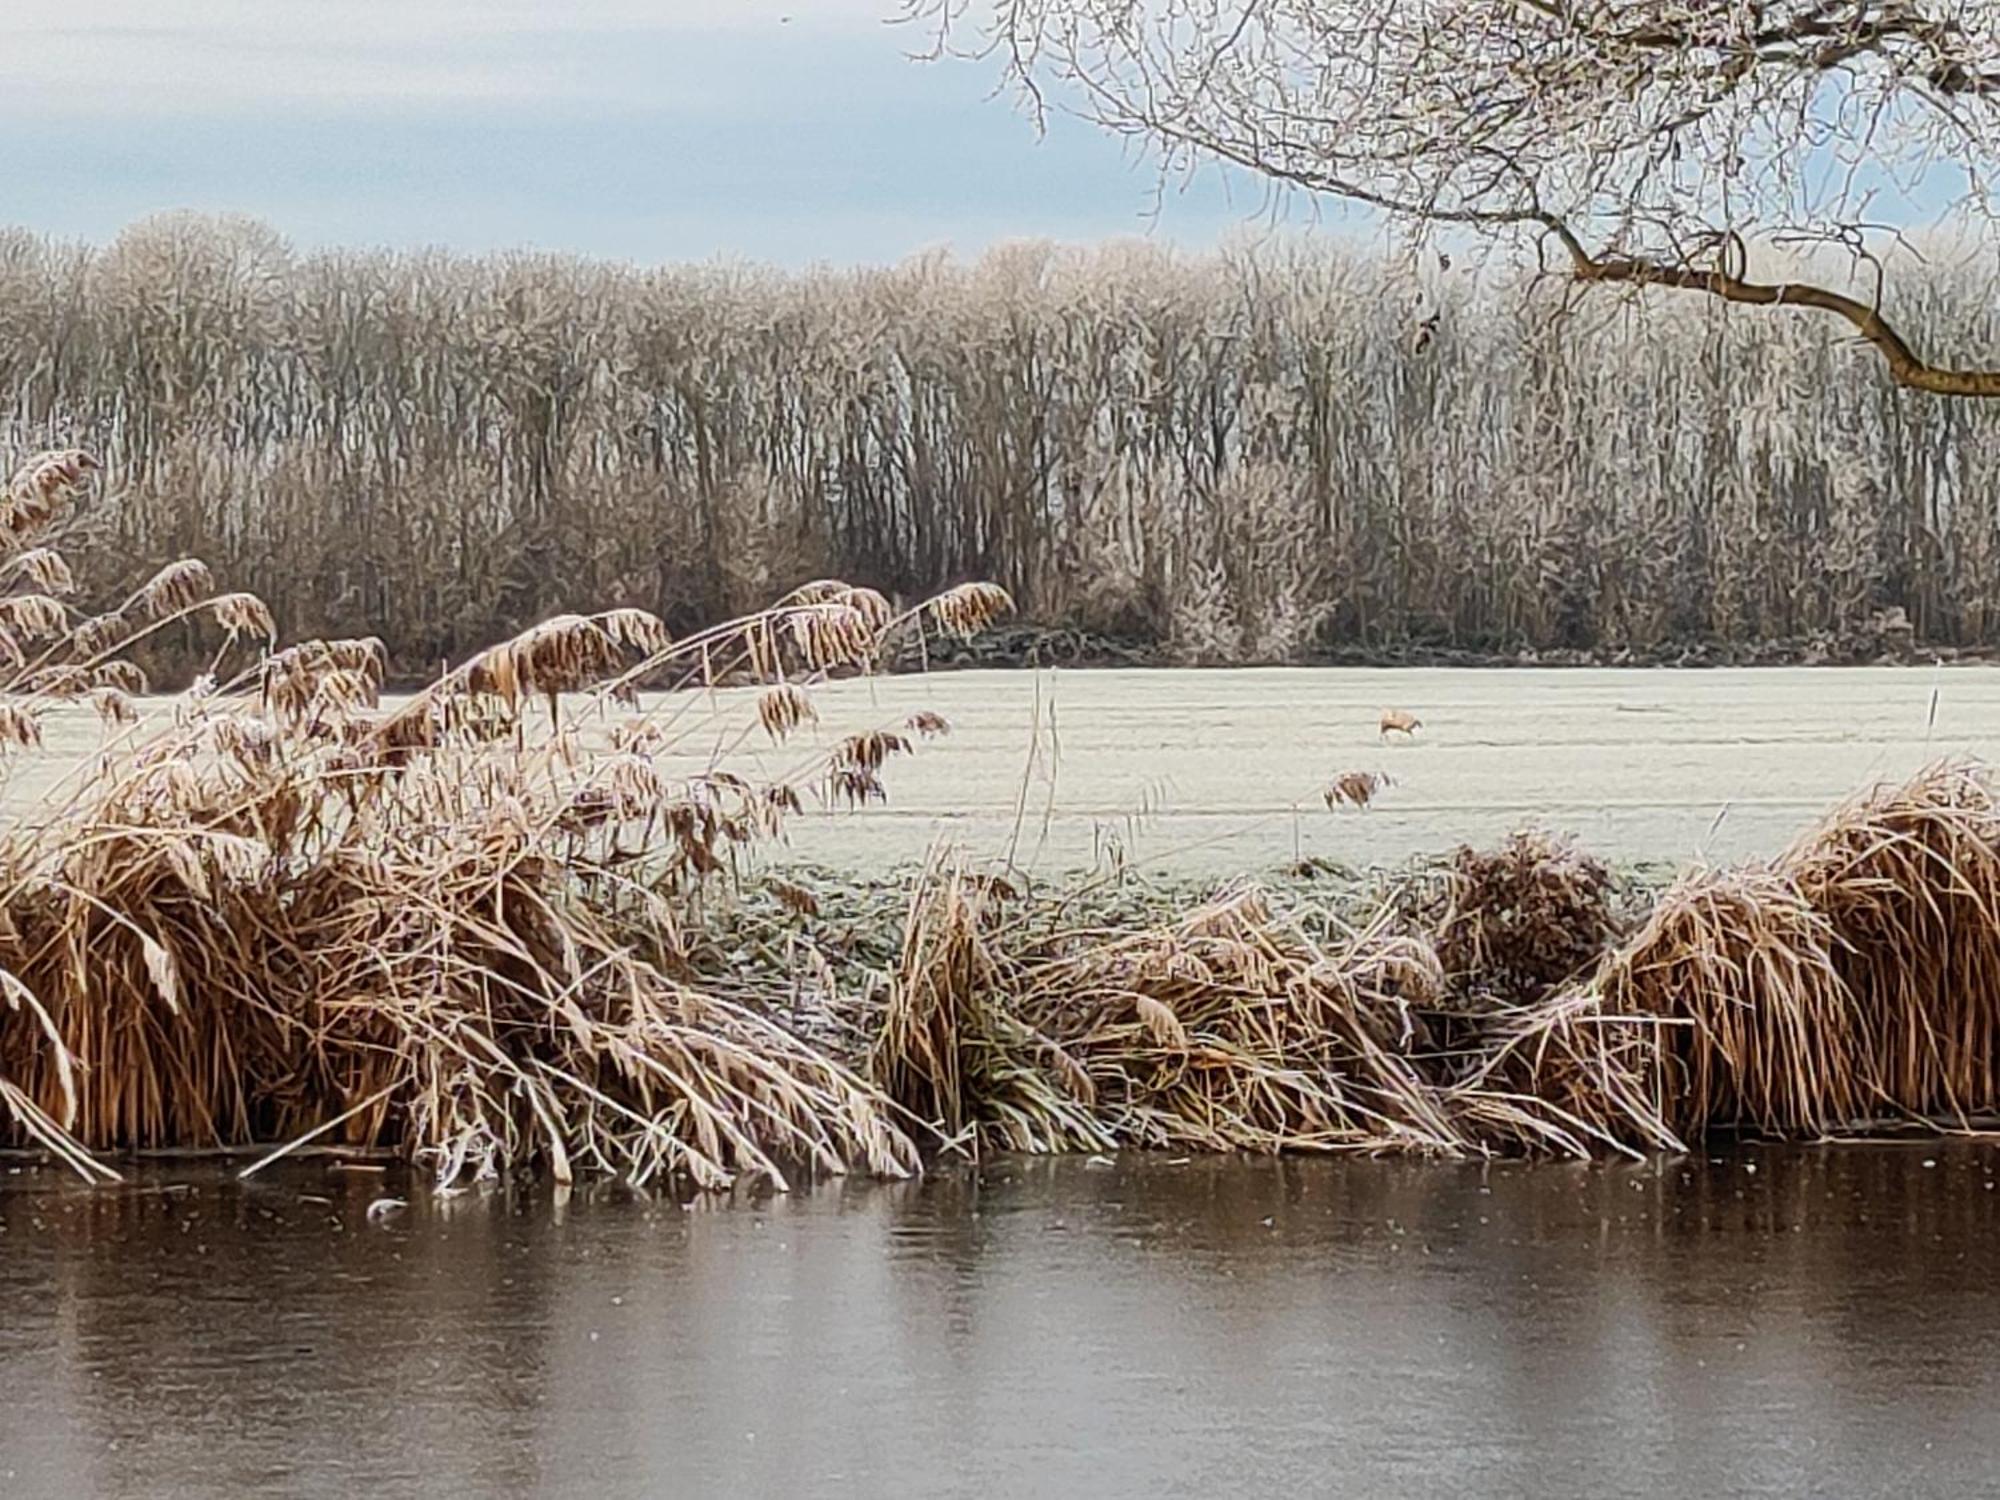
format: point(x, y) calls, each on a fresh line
point(1264, 453)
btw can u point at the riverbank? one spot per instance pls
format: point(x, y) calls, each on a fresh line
point(1525, 999)
point(1517, 999)
point(501, 955)
point(510, 923)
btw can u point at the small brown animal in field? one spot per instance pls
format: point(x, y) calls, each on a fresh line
point(1402, 720)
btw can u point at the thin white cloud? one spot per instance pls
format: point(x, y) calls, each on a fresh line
point(643, 128)
point(62, 57)
point(435, 20)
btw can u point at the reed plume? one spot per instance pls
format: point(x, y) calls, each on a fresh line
point(277, 911)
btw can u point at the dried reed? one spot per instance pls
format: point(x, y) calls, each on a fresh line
point(1501, 1006)
point(1855, 976)
point(277, 910)
point(1234, 1027)
point(1356, 788)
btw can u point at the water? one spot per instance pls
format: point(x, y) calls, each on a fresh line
point(1770, 1323)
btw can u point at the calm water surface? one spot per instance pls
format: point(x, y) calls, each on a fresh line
point(1783, 1323)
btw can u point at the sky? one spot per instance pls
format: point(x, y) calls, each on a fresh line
point(785, 131)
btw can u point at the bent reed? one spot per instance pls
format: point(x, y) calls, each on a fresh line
point(511, 922)
point(1505, 1002)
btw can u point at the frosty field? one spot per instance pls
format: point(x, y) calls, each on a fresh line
point(1220, 771)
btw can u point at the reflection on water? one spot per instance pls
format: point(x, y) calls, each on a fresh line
point(1769, 1322)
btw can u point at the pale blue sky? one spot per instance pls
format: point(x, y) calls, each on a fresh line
point(641, 129)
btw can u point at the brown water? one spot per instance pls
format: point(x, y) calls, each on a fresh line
point(1781, 1323)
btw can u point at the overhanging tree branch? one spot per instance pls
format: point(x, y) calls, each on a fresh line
point(1906, 367)
point(1641, 127)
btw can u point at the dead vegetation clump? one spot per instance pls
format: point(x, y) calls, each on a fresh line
point(1355, 788)
point(1236, 1026)
point(1908, 876)
point(1854, 978)
point(1515, 927)
point(1207, 1033)
point(272, 911)
point(1512, 1002)
point(1513, 922)
point(1742, 964)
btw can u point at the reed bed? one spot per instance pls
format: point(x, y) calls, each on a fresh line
point(1508, 1000)
point(1231, 457)
point(491, 929)
point(1243, 1024)
point(1851, 979)
point(273, 910)
point(1909, 878)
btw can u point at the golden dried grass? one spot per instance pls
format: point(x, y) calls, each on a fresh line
point(277, 912)
point(1856, 976)
point(783, 707)
point(1234, 1027)
point(968, 609)
point(40, 490)
point(173, 588)
point(1908, 876)
point(1746, 962)
point(43, 567)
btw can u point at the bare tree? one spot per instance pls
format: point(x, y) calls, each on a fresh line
point(1643, 142)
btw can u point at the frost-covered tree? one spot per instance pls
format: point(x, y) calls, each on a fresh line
point(1642, 143)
